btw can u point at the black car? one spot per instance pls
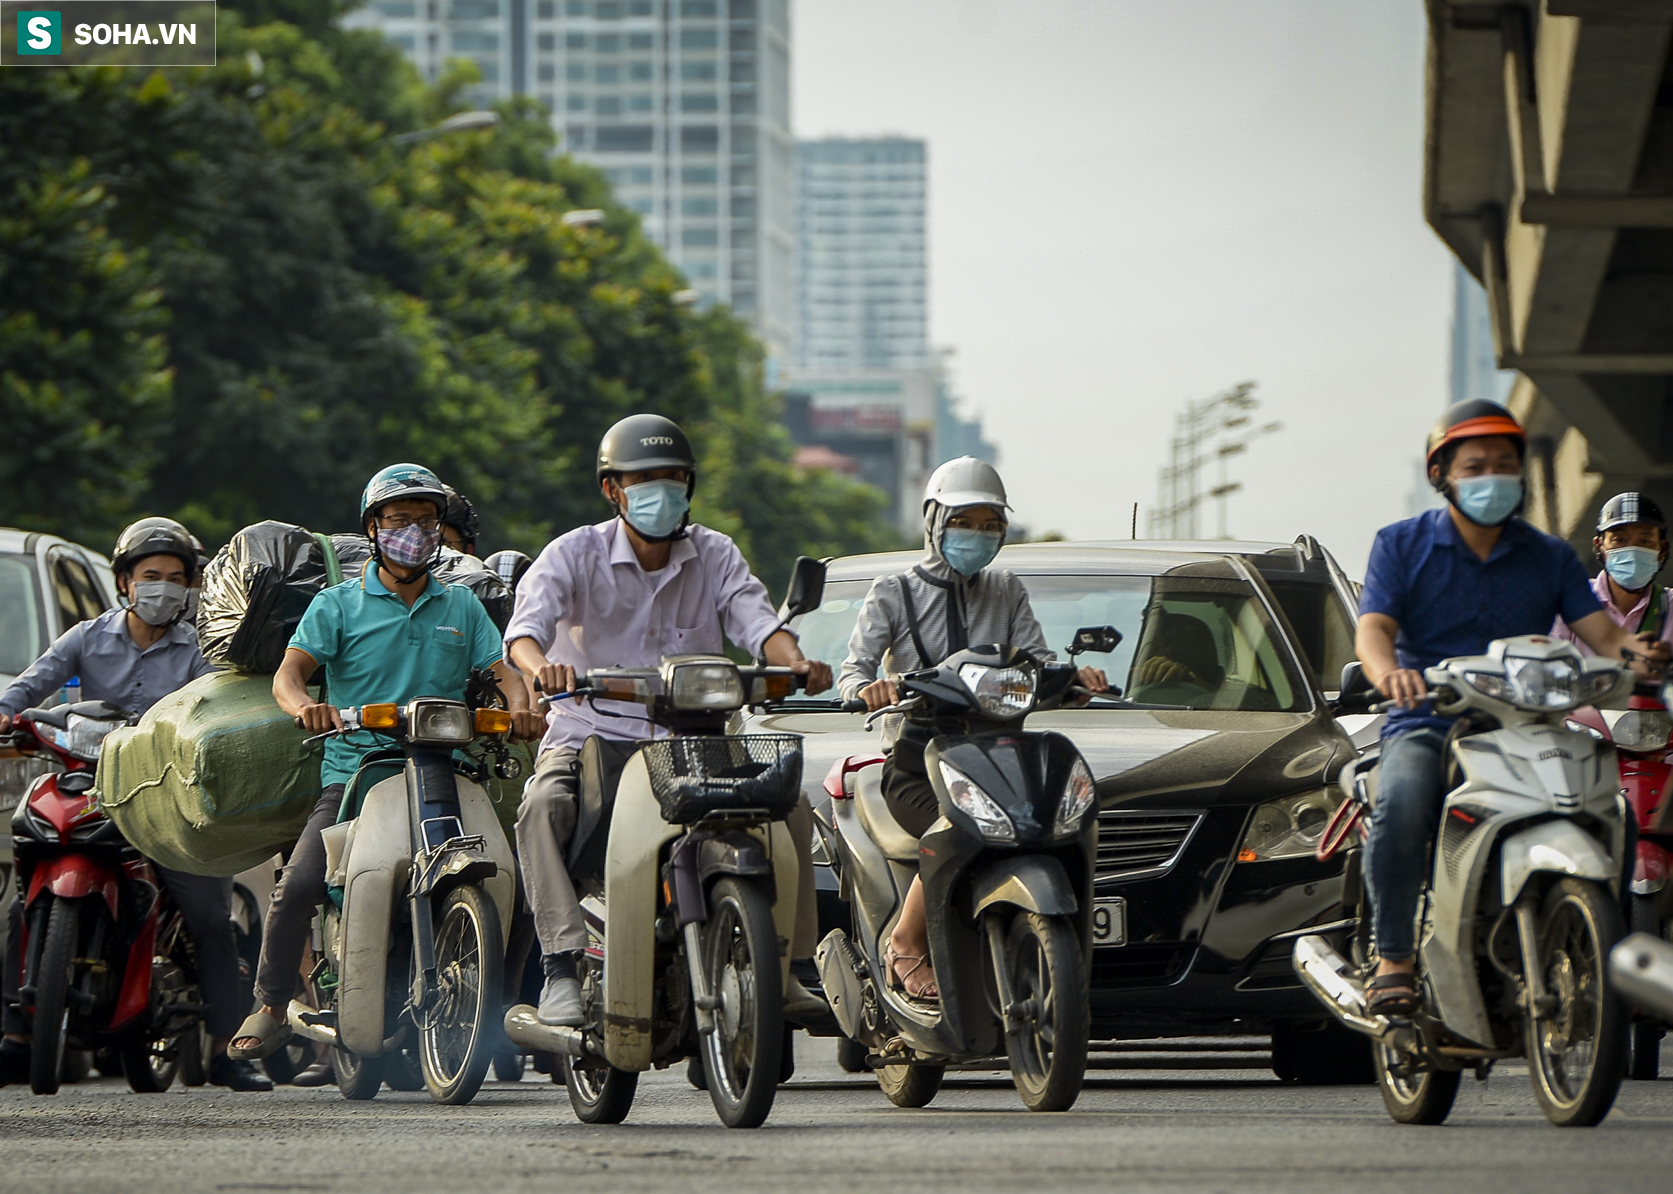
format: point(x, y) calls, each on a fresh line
point(1212, 799)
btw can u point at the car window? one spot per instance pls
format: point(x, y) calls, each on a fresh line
point(23, 622)
point(1324, 631)
point(73, 587)
point(82, 584)
point(824, 633)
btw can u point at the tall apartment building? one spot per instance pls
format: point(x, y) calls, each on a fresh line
point(684, 104)
point(861, 271)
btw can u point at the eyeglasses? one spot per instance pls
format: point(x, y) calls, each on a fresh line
point(400, 522)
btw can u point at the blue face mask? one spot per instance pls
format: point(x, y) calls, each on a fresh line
point(1632, 567)
point(1488, 501)
point(655, 508)
point(968, 552)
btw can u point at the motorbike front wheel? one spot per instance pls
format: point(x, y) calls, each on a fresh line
point(742, 1057)
point(1049, 1021)
point(358, 1078)
point(910, 1085)
point(1414, 1098)
point(1577, 1053)
point(53, 978)
point(457, 1033)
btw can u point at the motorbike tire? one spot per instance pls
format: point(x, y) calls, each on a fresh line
point(358, 1078)
point(910, 1085)
point(1329, 1055)
point(1423, 1098)
point(458, 1033)
point(402, 1069)
point(1644, 1049)
point(1578, 926)
point(1048, 1056)
point(53, 979)
point(851, 1056)
point(194, 1056)
point(598, 1092)
point(743, 1056)
point(509, 1066)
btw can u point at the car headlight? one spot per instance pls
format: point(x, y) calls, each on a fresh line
point(1001, 692)
point(1546, 685)
point(699, 686)
point(1288, 828)
point(441, 723)
point(1078, 796)
point(976, 804)
point(1642, 729)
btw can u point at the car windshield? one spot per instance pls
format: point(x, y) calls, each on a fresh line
point(1197, 636)
point(22, 621)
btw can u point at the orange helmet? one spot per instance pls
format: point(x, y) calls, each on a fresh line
point(1473, 420)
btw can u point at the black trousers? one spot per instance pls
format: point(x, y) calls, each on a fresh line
point(205, 904)
point(291, 910)
point(910, 797)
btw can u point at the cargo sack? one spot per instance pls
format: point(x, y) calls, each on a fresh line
point(255, 591)
point(213, 780)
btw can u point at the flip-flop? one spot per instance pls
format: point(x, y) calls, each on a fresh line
point(271, 1034)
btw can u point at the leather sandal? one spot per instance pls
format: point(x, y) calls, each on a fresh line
point(1395, 994)
point(928, 992)
point(271, 1035)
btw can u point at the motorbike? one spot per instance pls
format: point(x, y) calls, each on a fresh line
point(419, 888)
point(688, 878)
point(1007, 881)
point(1640, 734)
point(106, 963)
point(1522, 905)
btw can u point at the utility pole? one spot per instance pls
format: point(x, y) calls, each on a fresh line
point(1179, 484)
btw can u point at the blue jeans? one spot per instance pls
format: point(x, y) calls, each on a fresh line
point(1410, 788)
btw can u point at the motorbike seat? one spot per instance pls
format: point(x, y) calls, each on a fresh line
point(879, 823)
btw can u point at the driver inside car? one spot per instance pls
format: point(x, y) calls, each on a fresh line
point(948, 601)
point(1180, 650)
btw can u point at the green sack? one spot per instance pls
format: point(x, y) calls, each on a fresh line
point(214, 779)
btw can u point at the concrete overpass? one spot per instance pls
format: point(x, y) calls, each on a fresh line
point(1549, 172)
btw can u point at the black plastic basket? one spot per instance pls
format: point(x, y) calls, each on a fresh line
point(696, 777)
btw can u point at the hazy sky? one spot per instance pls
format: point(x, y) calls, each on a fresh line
point(1137, 203)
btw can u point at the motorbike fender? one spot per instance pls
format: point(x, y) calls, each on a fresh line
point(375, 876)
point(1035, 882)
point(135, 996)
point(476, 814)
point(734, 854)
point(71, 877)
point(1556, 847)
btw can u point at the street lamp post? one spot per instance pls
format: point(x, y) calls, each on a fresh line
point(1180, 493)
point(459, 122)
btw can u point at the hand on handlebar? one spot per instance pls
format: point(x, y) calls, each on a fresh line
point(1647, 656)
point(317, 717)
point(528, 724)
point(5, 722)
point(816, 674)
point(553, 678)
point(1404, 688)
point(879, 694)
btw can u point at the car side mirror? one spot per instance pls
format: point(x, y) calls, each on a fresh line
point(807, 587)
point(1357, 693)
point(1099, 640)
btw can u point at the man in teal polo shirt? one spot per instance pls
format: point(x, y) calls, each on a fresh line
point(391, 634)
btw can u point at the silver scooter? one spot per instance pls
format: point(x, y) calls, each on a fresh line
point(1524, 901)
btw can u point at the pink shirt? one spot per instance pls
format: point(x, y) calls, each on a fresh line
point(1627, 621)
point(589, 604)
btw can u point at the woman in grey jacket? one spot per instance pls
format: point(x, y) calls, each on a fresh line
point(948, 601)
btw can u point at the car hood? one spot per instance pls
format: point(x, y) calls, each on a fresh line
point(1141, 758)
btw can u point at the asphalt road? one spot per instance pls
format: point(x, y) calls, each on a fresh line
point(1214, 1122)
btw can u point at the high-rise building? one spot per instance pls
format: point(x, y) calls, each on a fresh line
point(861, 273)
point(684, 104)
point(1475, 371)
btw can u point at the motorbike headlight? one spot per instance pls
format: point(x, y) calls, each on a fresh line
point(699, 686)
point(1288, 828)
point(1544, 685)
point(1001, 692)
point(976, 804)
point(35, 824)
point(1078, 796)
point(439, 723)
point(1642, 729)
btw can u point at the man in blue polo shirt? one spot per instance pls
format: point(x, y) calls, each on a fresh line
point(1447, 583)
point(391, 634)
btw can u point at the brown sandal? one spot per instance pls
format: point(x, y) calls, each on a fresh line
point(928, 992)
point(1393, 994)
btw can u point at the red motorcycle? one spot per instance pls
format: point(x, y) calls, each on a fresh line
point(106, 963)
point(1641, 735)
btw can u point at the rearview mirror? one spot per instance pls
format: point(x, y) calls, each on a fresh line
point(1357, 693)
point(807, 587)
point(1099, 640)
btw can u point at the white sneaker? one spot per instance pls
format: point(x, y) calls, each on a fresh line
point(560, 1003)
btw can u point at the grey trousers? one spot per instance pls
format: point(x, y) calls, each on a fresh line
point(300, 889)
point(546, 822)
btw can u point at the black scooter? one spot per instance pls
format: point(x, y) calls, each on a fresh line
point(1007, 873)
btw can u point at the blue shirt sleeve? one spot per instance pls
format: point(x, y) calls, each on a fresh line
point(486, 648)
point(47, 674)
point(1386, 583)
point(320, 633)
point(1575, 597)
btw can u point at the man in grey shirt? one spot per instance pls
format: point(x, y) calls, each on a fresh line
point(132, 658)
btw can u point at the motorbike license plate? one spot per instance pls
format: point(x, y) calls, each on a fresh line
point(1109, 922)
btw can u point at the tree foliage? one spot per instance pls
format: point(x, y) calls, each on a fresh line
point(228, 294)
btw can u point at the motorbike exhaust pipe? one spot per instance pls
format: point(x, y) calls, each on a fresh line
point(524, 1028)
point(1642, 969)
point(1325, 973)
point(305, 1021)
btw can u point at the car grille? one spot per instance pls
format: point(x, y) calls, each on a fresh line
point(1139, 844)
point(1140, 965)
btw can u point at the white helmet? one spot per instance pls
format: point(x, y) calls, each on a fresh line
point(965, 482)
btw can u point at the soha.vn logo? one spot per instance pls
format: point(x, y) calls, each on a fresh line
point(39, 33)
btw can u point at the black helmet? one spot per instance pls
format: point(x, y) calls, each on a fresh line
point(1473, 420)
point(642, 442)
point(461, 515)
point(154, 537)
point(509, 565)
point(1625, 509)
